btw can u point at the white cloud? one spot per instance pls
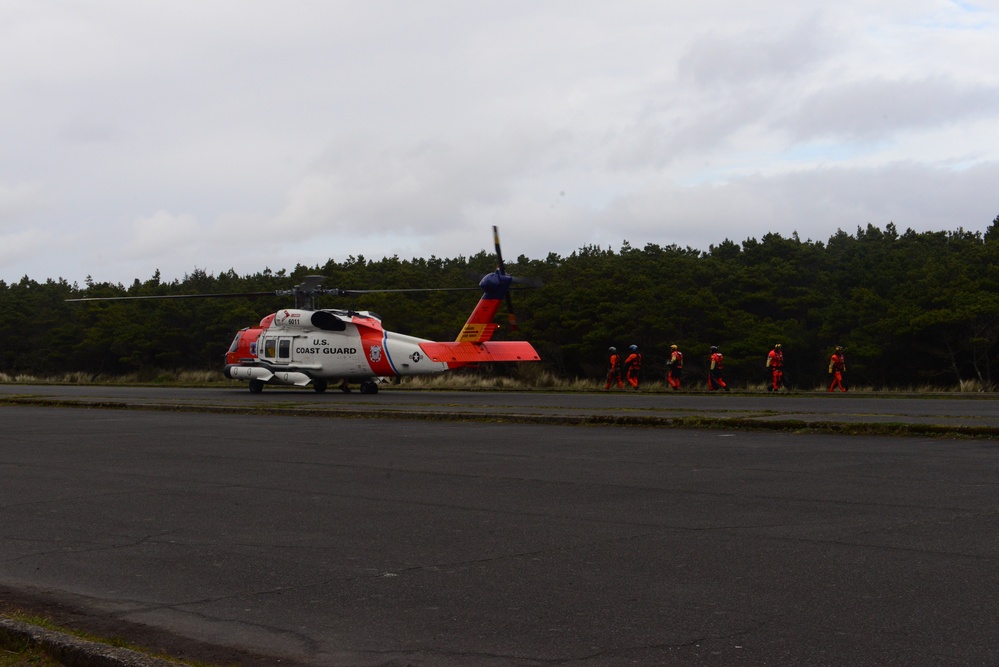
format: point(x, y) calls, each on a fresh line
point(16, 201)
point(16, 247)
point(158, 234)
point(879, 109)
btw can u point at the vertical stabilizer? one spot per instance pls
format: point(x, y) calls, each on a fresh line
point(480, 326)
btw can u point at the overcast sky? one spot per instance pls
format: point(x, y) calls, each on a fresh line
point(180, 134)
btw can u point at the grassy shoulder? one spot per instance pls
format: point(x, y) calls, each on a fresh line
point(31, 639)
point(20, 652)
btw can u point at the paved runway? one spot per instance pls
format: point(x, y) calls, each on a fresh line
point(958, 411)
point(327, 541)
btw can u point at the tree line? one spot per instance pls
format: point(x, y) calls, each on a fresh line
point(911, 309)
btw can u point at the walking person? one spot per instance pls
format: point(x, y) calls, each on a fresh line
point(613, 369)
point(675, 373)
point(775, 366)
point(837, 368)
point(715, 379)
point(633, 367)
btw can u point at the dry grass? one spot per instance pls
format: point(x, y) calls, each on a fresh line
point(972, 386)
point(472, 382)
point(185, 378)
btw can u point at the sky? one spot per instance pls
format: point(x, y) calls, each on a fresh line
point(186, 135)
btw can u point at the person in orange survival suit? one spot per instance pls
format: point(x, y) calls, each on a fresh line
point(675, 363)
point(775, 364)
point(633, 366)
point(837, 368)
point(715, 380)
point(613, 369)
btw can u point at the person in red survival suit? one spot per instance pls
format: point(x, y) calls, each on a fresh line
point(715, 380)
point(837, 368)
point(614, 369)
point(675, 363)
point(633, 366)
point(775, 364)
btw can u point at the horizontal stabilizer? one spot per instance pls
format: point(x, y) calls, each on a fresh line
point(475, 353)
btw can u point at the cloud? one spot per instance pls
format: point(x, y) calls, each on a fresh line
point(878, 109)
point(162, 233)
point(365, 187)
point(815, 203)
point(744, 58)
point(17, 201)
point(17, 246)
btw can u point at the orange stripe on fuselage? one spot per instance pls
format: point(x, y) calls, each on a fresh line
point(373, 343)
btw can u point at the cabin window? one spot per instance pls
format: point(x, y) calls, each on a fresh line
point(270, 348)
point(284, 349)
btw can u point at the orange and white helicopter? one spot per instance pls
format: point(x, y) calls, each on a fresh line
point(305, 345)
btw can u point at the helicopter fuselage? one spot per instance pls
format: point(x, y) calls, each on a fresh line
point(300, 346)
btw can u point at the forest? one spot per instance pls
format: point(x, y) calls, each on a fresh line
point(911, 310)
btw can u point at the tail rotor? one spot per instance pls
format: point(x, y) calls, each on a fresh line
point(511, 315)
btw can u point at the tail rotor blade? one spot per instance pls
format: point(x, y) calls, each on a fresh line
point(523, 282)
point(499, 255)
point(511, 316)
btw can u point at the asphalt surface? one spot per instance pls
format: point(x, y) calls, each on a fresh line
point(949, 410)
point(260, 539)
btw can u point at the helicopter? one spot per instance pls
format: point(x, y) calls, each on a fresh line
point(305, 345)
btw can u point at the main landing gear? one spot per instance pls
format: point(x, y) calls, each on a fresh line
point(367, 386)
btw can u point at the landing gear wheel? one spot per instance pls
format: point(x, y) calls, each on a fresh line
point(319, 386)
point(369, 387)
point(256, 386)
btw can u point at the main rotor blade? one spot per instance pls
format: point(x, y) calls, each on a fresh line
point(352, 292)
point(174, 296)
point(334, 292)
